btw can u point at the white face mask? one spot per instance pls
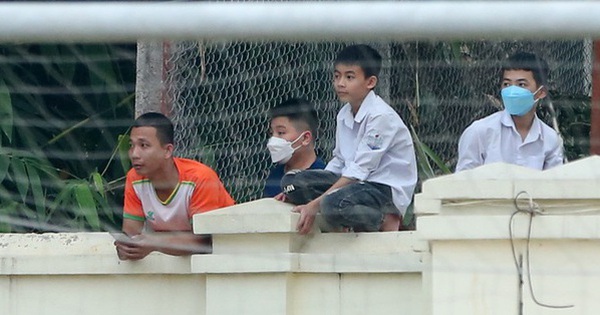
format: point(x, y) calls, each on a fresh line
point(281, 150)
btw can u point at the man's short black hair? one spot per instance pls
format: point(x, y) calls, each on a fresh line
point(528, 62)
point(162, 124)
point(364, 56)
point(297, 110)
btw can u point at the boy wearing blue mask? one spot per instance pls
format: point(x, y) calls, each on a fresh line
point(294, 126)
point(515, 135)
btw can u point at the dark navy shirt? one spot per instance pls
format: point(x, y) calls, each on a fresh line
point(273, 184)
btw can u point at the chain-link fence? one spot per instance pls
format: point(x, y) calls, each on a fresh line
point(221, 91)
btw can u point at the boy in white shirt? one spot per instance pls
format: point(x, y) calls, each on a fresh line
point(369, 183)
point(515, 135)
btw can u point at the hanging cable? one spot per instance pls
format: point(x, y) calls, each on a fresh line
point(532, 209)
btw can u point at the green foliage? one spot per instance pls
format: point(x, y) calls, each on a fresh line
point(57, 105)
point(573, 113)
point(426, 170)
point(6, 111)
point(425, 156)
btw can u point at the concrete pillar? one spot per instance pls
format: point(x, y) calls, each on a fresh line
point(465, 218)
point(149, 87)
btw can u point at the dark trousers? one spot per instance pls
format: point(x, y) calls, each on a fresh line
point(360, 206)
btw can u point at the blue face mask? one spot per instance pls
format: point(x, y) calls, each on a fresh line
point(517, 100)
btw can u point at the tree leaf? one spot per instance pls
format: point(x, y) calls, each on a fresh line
point(436, 159)
point(98, 183)
point(124, 152)
point(7, 211)
point(87, 205)
point(6, 111)
point(4, 163)
point(38, 192)
point(426, 171)
point(20, 177)
point(104, 207)
point(44, 167)
point(63, 196)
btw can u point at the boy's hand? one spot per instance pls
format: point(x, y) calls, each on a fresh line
point(281, 197)
point(135, 249)
point(308, 212)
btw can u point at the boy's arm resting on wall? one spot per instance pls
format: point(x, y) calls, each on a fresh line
point(175, 243)
point(171, 243)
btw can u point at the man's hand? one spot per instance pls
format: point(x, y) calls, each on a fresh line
point(308, 213)
point(136, 249)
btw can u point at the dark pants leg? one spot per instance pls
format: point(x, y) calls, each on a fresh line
point(360, 206)
point(301, 187)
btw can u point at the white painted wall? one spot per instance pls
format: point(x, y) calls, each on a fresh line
point(79, 273)
point(465, 218)
point(260, 265)
point(459, 261)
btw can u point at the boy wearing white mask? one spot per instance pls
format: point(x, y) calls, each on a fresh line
point(294, 126)
point(515, 135)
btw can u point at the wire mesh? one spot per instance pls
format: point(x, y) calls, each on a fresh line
point(221, 91)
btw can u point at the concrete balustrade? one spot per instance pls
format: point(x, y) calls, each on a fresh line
point(459, 261)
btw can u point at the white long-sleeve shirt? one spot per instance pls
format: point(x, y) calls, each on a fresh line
point(376, 146)
point(496, 139)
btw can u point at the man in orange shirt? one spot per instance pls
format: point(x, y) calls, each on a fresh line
point(163, 192)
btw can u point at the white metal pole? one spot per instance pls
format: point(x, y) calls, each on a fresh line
point(132, 21)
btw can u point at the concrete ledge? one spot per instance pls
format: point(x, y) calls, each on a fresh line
point(492, 181)
point(260, 216)
point(487, 227)
point(576, 180)
point(318, 253)
point(77, 253)
point(366, 243)
point(309, 263)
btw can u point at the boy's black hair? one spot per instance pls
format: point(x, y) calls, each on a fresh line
point(162, 124)
point(363, 56)
point(528, 62)
point(297, 110)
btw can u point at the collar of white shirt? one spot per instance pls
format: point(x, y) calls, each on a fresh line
point(534, 133)
point(349, 119)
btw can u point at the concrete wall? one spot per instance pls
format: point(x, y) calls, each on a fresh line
point(465, 218)
point(79, 273)
point(459, 261)
point(260, 265)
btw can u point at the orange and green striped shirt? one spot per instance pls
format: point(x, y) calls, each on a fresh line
point(199, 190)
